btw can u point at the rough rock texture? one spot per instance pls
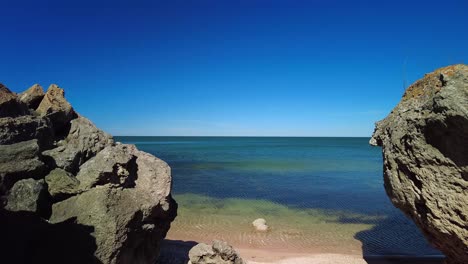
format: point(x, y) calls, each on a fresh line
point(220, 253)
point(13, 130)
point(425, 148)
point(260, 225)
point(63, 179)
point(130, 222)
point(83, 141)
point(33, 96)
point(20, 161)
point(28, 195)
point(9, 103)
point(56, 108)
point(61, 184)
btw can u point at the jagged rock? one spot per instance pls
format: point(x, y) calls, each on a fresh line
point(260, 225)
point(424, 142)
point(27, 127)
point(115, 165)
point(9, 103)
point(220, 253)
point(84, 140)
point(61, 184)
point(28, 195)
point(33, 96)
point(130, 214)
point(123, 200)
point(20, 161)
point(55, 107)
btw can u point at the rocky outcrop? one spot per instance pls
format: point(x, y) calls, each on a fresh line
point(219, 253)
point(62, 173)
point(56, 108)
point(424, 142)
point(33, 96)
point(120, 186)
point(9, 103)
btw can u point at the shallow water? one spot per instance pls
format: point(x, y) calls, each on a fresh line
point(317, 194)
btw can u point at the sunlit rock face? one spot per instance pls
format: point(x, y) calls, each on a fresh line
point(424, 142)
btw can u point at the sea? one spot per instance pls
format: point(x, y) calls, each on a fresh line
point(317, 194)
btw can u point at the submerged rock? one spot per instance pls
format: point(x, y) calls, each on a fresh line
point(424, 143)
point(219, 253)
point(260, 225)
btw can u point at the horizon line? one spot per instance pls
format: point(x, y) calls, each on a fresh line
point(249, 136)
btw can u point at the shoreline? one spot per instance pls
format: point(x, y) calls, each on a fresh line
point(176, 252)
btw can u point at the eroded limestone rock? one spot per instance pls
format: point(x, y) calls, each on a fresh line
point(425, 148)
point(219, 253)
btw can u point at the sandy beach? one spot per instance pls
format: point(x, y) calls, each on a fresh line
point(176, 252)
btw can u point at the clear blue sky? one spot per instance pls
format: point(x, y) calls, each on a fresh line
point(269, 68)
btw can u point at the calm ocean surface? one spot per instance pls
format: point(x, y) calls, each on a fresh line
point(314, 192)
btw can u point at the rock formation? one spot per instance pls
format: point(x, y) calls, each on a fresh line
point(59, 173)
point(219, 253)
point(424, 142)
point(33, 96)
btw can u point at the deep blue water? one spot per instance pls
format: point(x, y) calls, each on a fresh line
point(342, 174)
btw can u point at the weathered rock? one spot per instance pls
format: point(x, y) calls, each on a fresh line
point(115, 165)
point(55, 107)
point(28, 195)
point(220, 253)
point(129, 204)
point(424, 142)
point(61, 184)
point(84, 140)
point(260, 225)
point(27, 127)
point(33, 96)
point(9, 103)
point(20, 161)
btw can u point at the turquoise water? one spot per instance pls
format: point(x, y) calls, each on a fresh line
point(336, 180)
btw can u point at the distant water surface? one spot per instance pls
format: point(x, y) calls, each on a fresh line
point(318, 194)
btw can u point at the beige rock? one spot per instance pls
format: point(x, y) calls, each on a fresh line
point(33, 96)
point(55, 107)
point(260, 224)
point(219, 253)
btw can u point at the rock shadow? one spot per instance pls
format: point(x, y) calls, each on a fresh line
point(175, 251)
point(27, 238)
point(396, 239)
